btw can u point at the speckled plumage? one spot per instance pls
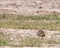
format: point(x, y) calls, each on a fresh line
point(40, 33)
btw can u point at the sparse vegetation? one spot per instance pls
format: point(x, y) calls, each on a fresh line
point(25, 24)
point(50, 22)
point(36, 17)
point(3, 42)
point(29, 42)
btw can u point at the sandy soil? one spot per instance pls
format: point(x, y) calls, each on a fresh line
point(29, 7)
point(20, 33)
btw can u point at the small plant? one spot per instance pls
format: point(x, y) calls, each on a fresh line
point(3, 42)
point(52, 41)
point(31, 42)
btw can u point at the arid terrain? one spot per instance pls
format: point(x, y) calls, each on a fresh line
point(20, 21)
point(15, 37)
point(29, 7)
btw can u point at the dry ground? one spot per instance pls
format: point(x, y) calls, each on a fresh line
point(29, 7)
point(15, 37)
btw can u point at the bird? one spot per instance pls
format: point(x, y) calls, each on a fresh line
point(41, 33)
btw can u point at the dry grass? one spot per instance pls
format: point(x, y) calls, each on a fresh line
point(50, 22)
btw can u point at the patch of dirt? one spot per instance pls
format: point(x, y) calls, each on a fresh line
point(16, 35)
point(28, 33)
point(29, 7)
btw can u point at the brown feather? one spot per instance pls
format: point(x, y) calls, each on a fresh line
point(40, 33)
